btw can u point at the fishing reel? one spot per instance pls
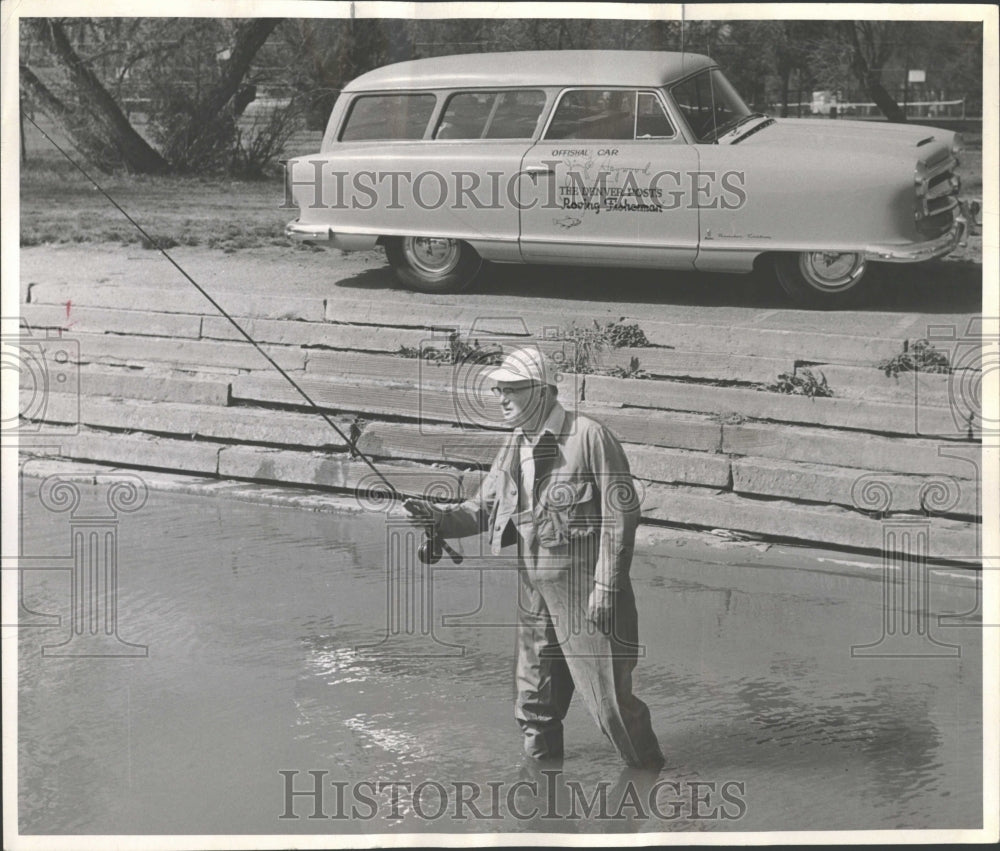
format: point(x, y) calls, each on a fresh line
point(434, 546)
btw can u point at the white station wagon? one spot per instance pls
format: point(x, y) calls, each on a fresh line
point(616, 158)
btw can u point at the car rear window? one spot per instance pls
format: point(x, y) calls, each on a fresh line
point(491, 115)
point(388, 117)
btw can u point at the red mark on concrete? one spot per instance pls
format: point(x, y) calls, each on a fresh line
point(68, 325)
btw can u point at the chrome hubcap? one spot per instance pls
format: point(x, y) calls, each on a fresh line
point(831, 271)
point(432, 255)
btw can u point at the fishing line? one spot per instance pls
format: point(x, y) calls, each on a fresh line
point(351, 444)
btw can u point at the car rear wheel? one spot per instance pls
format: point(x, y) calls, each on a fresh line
point(823, 278)
point(433, 264)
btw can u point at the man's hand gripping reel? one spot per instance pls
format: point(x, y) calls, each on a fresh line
point(433, 545)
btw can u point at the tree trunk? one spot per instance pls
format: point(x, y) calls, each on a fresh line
point(870, 76)
point(883, 100)
point(93, 145)
point(134, 152)
point(250, 37)
point(786, 75)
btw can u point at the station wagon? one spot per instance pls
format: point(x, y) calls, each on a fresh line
point(621, 159)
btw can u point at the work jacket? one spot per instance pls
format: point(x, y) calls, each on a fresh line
point(588, 492)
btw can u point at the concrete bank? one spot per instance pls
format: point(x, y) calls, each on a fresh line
point(140, 372)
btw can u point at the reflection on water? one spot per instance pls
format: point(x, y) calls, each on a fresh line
point(257, 620)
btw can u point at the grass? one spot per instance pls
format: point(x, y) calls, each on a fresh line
point(58, 205)
point(459, 351)
point(587, 342)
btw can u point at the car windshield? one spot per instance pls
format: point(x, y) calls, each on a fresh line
point(709, 104)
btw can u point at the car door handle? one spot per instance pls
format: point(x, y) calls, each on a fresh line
point(539, 169)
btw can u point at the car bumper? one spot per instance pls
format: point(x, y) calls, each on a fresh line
point(308, 233)
point(915, 252)
point(300, 232)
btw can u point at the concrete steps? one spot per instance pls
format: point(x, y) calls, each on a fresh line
point(199, 422)
point(855, 414)
point(947, 539)
point(177, 388)
point(701, 507)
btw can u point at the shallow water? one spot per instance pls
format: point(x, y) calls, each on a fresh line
point(256, 619)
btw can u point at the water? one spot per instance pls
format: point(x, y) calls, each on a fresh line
point(253, 616)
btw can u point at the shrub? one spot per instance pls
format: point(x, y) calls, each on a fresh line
point(800, 383)
point(922, 357)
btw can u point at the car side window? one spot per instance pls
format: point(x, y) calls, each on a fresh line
point(385, 117)
point(603, 114)
point(651, 121)
point(491, 115)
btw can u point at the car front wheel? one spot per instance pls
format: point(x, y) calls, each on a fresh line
point(433, 264)
point(823, 278)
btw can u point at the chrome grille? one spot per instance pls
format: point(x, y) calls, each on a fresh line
point(937, 188)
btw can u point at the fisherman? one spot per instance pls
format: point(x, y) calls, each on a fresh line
point(561, 490)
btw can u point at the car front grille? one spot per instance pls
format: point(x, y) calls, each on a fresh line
point(937, 188)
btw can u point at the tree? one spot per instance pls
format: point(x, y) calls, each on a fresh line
point(108, 136)
point(197, 126)
point(872, 44)
point(86, 84)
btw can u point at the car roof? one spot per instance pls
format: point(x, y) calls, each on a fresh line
point(534, 68)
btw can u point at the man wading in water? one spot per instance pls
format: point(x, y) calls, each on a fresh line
point(560, 488)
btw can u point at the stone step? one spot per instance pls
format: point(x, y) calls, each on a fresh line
point(743, 337)
point(142, 450)
point(812, 524)
point(430, 443)
point(702, 507)
point(180, 300)
point(387, 368)
point(740, 339)
point(437, 444)
point(912, 388)
point(705, 365)
point(658, 428)
point(853, 449)
point(249, 425)
point(287, 466)
point(405, 402)
point(756, 404)
point(72, 319)
point(443, 317)
point(112, 348)
point(154, 385)
point(311, 334)
point(656, 464)
point(859, 489)
point(439, 404)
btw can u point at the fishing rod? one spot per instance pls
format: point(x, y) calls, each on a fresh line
point(433, 545)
